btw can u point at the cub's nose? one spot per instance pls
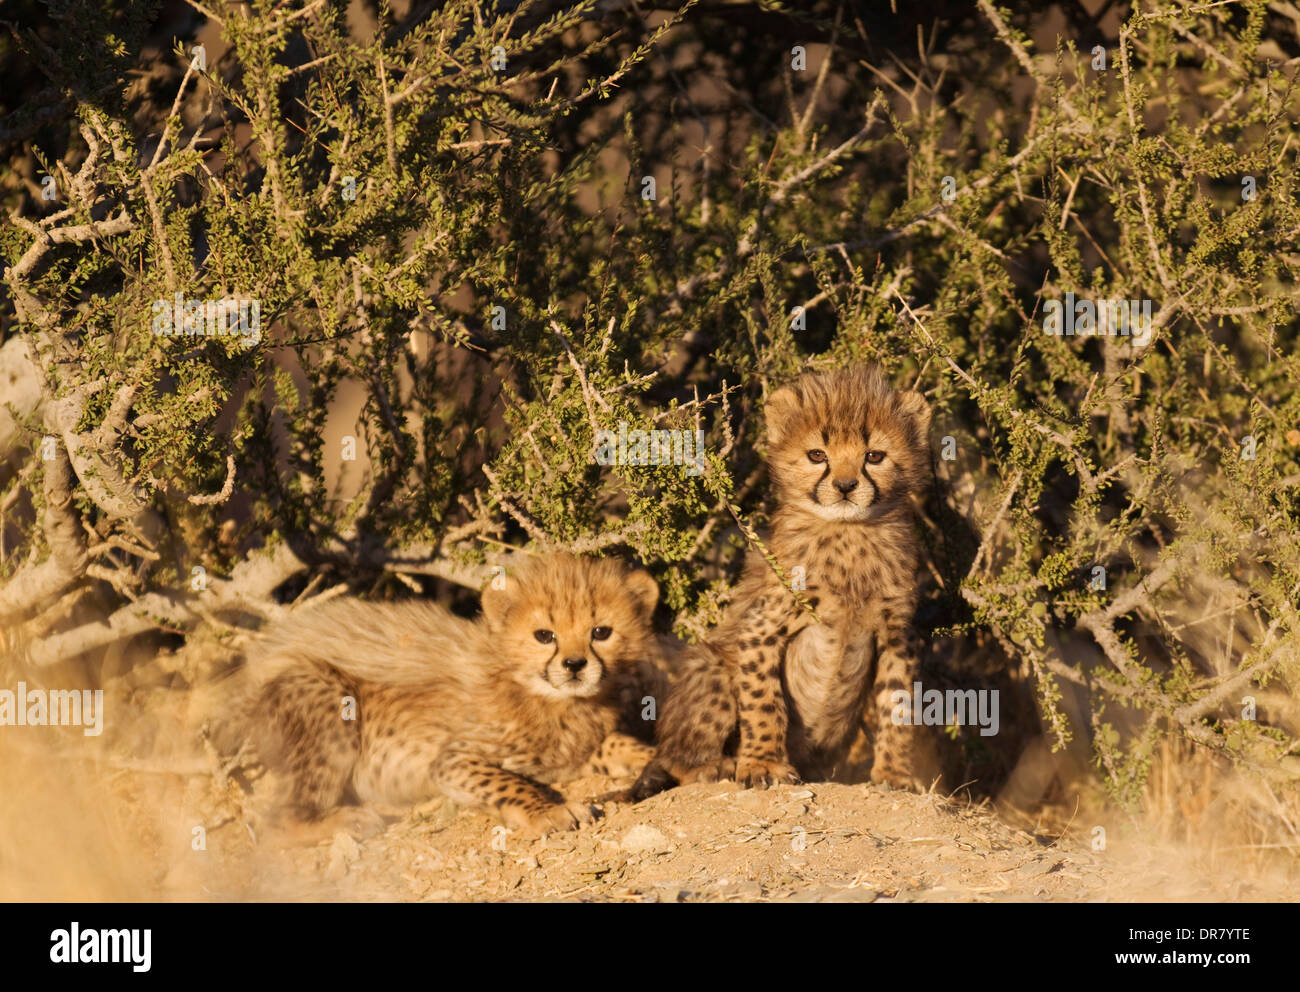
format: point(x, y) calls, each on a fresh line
point(846, 486)
point(575, 665)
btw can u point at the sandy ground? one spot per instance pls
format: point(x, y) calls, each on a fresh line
point(89, 820)
point(711, 843)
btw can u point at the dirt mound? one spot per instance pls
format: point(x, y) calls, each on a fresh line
point(810, 843)
point(85, 822)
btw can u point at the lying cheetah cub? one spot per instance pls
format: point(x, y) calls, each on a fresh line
point(847, 452)
point(398, 702)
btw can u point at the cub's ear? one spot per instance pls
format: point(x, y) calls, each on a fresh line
point(781, 407)
point(912, 406)
point(498, 596)
point(644, 589)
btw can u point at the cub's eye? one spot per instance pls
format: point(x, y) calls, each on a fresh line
point(817, 455)
point(600, 633)
point(875, 457)
point(544, 636)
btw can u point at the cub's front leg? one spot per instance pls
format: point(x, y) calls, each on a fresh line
point(762, 756)
point(472, 780)
point(903, 756)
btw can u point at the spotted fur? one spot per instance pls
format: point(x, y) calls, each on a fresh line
point(486, 712)
point(775, 693)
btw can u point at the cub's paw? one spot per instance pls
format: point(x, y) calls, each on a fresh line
point(654, 779)
point(552, 819)
point(717, 771)
point(361, 822)
point(911, 763)
point(661, 775)
point(295, 828)
point(897, 777)
point(762, 773)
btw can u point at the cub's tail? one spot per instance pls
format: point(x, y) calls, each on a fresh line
point(406, 643)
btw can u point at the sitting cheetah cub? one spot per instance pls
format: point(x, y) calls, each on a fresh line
point(399, 702)
point(846, 454)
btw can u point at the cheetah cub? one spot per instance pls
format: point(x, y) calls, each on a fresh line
point(846, 455)
point(398, 702)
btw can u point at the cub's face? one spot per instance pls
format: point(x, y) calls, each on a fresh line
point(566, 626)
point(845, 446)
